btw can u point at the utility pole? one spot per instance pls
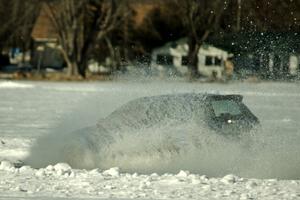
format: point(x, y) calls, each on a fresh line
point(238, 15)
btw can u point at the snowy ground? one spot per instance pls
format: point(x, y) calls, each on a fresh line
point(29, 110)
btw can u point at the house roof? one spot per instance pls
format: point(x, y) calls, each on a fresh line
point(141, 11)
point(43, 29)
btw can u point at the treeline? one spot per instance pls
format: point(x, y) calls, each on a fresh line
point(127, 30)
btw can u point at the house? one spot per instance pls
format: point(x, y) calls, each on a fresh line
point(46, 53)
point(280, 57)
point(172, 59)
point(44, 35)
point(269, 64)
point(280, 65)
point(268, 55)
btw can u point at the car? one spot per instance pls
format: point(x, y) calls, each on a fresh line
point(9, 69)
point(223, 114)
point(12, 68)
point(158, 126)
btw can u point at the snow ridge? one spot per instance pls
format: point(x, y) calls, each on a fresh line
point(62, 181)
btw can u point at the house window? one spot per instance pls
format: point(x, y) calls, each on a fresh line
point(208, 60)
point(164, 59)
point(218, 61)
point(184, 60)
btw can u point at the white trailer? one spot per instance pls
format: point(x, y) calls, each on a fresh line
point(172, 58)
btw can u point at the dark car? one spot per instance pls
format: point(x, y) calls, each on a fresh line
point(9, 69)
point(157, 125)
point(224, 114)
point(16, 68)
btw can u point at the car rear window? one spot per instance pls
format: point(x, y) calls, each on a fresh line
point(225, 107)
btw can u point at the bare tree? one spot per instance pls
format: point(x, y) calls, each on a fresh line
point(200, 18)
point(80, 25)
point(276, 15)
point(17, 20)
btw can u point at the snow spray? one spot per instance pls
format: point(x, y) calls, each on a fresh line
point(182, 142)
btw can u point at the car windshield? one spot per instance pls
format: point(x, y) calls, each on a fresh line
point(225, 107)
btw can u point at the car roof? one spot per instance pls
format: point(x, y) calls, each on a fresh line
point(232, 97)
point(199, 96)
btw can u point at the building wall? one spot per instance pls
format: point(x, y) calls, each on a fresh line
point(179, 51)
point(46, 55)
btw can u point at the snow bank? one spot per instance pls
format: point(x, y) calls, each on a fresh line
point(6, 165)
point(13, 85)
point(113, 184)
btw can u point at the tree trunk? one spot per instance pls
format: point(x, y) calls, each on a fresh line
point(112, 54)
point(82, 66)
point(72, 64)
point(72, 68)
point(193, 58)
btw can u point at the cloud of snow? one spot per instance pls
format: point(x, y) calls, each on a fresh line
point(167, 147)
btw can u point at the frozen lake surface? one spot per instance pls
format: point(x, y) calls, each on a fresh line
point(30, 110)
